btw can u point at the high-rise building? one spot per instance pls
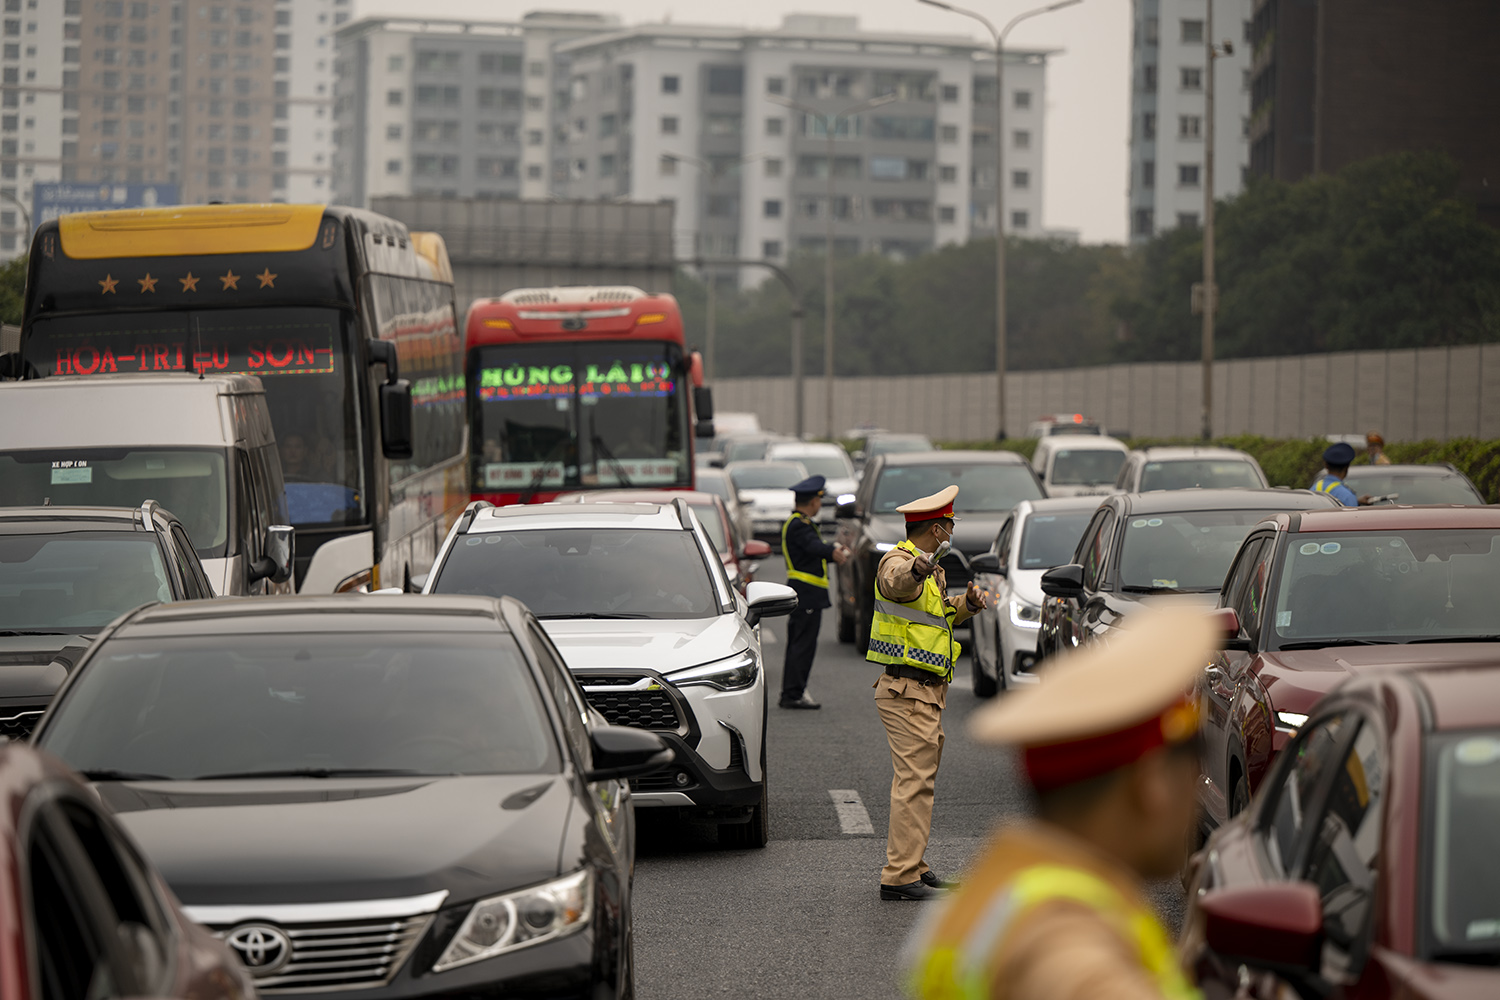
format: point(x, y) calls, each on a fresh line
point(1337, 81)
point(1167, 110)
point(33, 128)
point(693, 114)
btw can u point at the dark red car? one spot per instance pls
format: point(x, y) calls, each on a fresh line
point(1366, 866)
point(1323, 594)
point(82, 914)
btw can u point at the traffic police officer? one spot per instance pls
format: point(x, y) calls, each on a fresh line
point(1337, 459)
point(911, 636)
point(1055, 908)
point(807, 558)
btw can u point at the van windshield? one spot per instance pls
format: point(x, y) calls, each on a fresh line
point(189, 482)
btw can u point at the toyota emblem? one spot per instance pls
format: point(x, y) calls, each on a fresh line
point(262, 948)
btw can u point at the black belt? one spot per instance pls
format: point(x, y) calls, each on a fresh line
point(924, 677)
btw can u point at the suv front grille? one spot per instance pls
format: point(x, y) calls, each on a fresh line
point(641, 709)
point(20, 725)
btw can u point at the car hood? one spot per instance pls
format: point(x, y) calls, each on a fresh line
point(1295, 679)
point(34, 666)
point(777, 499)
point(1026, 584)
point(1080, 489)
point(662, 646)
point(307, 840)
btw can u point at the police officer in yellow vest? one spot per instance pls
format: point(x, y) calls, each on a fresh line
point(807, 558)
point(1055, 908)
point(911, 636)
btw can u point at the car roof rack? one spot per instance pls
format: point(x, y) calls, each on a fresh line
point(467, 517)
point(149, 509)
point(684, 512)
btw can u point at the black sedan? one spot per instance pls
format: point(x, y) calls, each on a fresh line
point(395, 796)
point(1165, 546)
point(990, 484)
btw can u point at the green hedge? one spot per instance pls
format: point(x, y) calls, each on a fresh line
point(1294, 462)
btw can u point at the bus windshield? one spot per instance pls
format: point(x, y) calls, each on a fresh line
point(581, 414)
point(299, 353)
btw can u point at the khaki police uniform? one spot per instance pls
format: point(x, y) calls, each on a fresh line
point(1045, 914)
point(912, 638)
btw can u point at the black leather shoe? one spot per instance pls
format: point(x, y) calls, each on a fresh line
point(912, 890)
point(804, 700)
point(930, 879)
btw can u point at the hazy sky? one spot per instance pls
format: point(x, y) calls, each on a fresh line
point(1088, 84)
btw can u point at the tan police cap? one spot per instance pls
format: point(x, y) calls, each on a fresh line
point(1109, 704)
point(940, 504)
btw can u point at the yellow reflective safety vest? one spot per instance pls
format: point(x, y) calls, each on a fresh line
point(917, 633)
point(955, 959)
point(792, 573)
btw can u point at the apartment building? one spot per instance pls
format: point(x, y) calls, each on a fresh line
point(32, 124)
point(730, 125)
point(1167, 110)
point(455, 109)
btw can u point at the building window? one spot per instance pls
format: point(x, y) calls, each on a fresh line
point(980, 136)
point(1187, 220)
point(722, 124)
point(775, 84)
point(949, 133)
point(1148, 79)
point(1187, 175)
point(393, 64)
point(535, 137)
point(667, 165)
point(1141, 222)
point(1020, 178)
point(948, 174)
point(393, 98)
point(1020, 139)
point(607, 125)
point(535, 102)
point(723, 206)
point(671, 84)
point(773, 167)
point(498, 62)
point(1192, 78)
point(950, 93)
point(533, 171)
point(1148, 173)
point(607, 165)
point(393, 166)
point(1148, 125)
point(393, 132)
point(536, 69)
point(668, 124)
point(1020, 220)
point(726, 80)
point(775, 126)
point(1192, 31)
point(947, 213)
point(771, 209)
point(1189, 126)
point(770, 248)
point(1021, 99)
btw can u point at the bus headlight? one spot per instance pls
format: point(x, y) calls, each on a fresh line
point(1023, 615)
point(500, 924)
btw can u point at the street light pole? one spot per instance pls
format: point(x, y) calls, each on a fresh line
point(830, 123)
point(1210, 301)
point(999, 40)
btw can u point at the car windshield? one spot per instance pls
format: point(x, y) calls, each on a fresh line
point(1413, 487)
point(1071, 428)
point(894, 444)
point(585, 572)
point(1049, 540)
point(768, 475)
point(1464, 774)
point(986, 487)
point(1188, 551)
point(746, 451)
point(1217, 473)
point(1414, 584)
point(708, 516)
point(716, 483)
point(189, 483)
point(829, 466)
point(1085, 467)
point(77, 581)
point(241, 705)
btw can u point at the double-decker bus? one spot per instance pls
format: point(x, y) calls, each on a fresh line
point(577, 388)
point(347, 318)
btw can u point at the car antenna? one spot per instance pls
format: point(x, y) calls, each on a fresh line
point(198, 346)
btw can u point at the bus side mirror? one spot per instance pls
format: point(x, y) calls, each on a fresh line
point(395, 419)
point(703, 410)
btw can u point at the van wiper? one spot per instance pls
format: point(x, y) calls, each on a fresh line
point(317, 772)
point(107, 774)
point(1321, 643)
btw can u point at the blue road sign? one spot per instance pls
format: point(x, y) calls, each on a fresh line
point(51, 200)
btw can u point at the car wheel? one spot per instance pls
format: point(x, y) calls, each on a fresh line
point(844, 624)
point(1239, 799)
point(754, 833)
point(985, 686)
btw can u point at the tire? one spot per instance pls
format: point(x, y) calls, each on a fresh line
point(843, 623)
point(985, 686)
point(1239, 798)
point(755, 833)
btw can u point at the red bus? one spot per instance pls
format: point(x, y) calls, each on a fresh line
point(577, 388)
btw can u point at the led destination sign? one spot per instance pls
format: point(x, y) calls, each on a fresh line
point(303, 349)
point(619, 378)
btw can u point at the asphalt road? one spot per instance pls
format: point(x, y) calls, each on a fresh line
point(802, 918)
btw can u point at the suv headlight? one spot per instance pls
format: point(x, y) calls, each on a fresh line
point(520, 919)
point(732, 672)
point(1023, 615)
point(1290, 722)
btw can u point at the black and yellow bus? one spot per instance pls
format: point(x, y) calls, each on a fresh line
point(347, 318)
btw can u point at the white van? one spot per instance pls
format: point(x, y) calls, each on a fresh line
point(201, 447)
point(1074, 465)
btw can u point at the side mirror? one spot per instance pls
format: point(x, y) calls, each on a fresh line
point(1276, 926)
point(703, 403)
point(276, 564)
point(769, 600)
point(755, 549)
point(419, 583)
point(703, 429)
point(624, 752)
point(987, 562)
point(846, 511)
point(395, 419)
point(1229, 620)
point(717, 462)
point(745, 499)
point(1063, 581)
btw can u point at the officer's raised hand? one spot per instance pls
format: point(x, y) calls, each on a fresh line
point(840, 554)
point(922, 566)
point(977, 599)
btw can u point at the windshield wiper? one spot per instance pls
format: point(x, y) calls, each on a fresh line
point(558, 447)
point(1321, 643)
point(107, 774)
point(318, 772)
point(593, 614)
point(1468, 957)
point(33, 631)
point(1157, 590)
point(1453, 638)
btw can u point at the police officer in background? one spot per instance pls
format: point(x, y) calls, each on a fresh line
point(911, 636)
point(1336, 460)
point(1056, 908)
point(807, 558)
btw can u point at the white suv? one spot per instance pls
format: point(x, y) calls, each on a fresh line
point(635, 598)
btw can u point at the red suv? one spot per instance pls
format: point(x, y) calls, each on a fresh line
point(1320, 595)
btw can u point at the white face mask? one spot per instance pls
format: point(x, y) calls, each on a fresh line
point(944, 547)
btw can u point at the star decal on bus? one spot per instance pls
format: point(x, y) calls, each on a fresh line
point(267, 279)
point(190, 283)
point(148, 283)
point(107, 286)
point(230, 280)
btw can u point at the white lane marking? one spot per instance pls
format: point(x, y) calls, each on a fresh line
point(853, 819)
